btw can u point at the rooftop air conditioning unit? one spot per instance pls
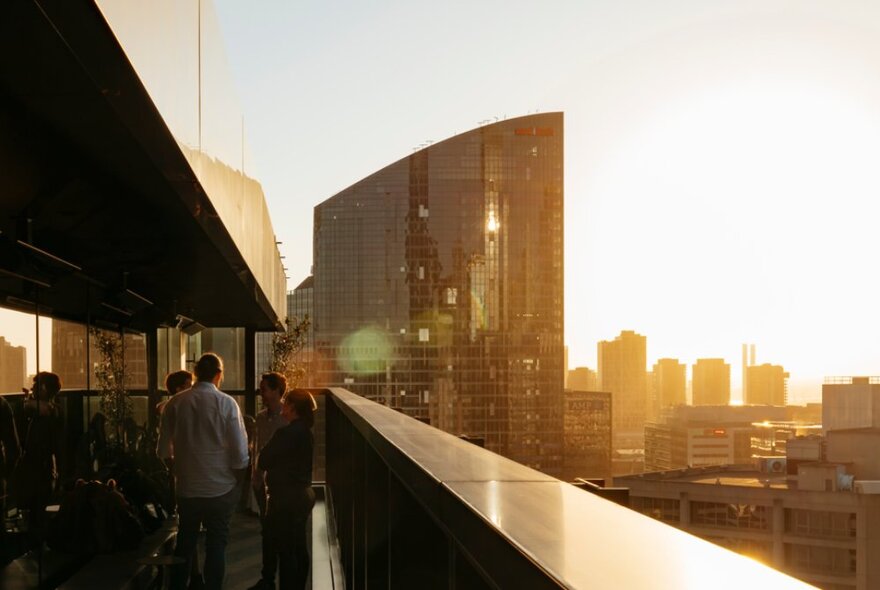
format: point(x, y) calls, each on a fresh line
point(772, 465)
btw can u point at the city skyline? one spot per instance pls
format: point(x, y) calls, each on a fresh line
point(439, 421)
point(719, 155)
point(18, 328)
point(734, 139)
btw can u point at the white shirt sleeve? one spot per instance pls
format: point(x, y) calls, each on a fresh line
point(237, 437)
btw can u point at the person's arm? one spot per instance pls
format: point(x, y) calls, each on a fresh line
point(58, 446)
point(285, 446)
point(274, 451)
point(237, 437)
point(9, 438)
point(165, 446)
point(256, 474)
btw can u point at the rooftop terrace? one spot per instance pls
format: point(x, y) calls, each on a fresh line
point(112, 241)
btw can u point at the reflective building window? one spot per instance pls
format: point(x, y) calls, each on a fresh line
point(452, 257)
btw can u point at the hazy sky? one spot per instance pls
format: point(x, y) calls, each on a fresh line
point(722, 158)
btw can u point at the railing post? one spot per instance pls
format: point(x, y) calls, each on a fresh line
point(418, 549)
point(152, 338)
point(338, 441)
point(376, 529)
point(250, 371)
point(778, 532)
point(358, 513)
point(463, 575)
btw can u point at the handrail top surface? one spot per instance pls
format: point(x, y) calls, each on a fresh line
point(580, 540)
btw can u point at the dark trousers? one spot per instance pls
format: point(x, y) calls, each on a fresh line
point(285, 528)
point(214, 514)
point(270, 553)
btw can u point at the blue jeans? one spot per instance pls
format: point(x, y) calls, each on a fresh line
point(214, 513)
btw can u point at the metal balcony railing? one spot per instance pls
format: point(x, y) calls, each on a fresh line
point(415, 507)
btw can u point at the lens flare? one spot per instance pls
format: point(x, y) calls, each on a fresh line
point(365, 352)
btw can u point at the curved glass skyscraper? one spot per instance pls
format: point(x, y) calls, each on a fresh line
point(438, 287)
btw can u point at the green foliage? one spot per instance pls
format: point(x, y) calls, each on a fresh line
point(110, 377)
point(285, 347)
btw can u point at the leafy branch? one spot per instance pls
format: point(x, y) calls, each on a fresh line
point(286, 346)
point(110, 377)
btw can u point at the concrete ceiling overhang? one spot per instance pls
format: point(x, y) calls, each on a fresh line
point(101, 215)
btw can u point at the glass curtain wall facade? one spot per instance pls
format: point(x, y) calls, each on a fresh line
point(587, 426)
point(438, 287)
point(189, 81)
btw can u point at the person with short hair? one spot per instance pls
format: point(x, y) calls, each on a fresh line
point(9, 453)
point(203, 431)
point(41, 430)
point(178, 381)
point(287, 459)
point(9, 446)
point(272, 388)
point(175, 383)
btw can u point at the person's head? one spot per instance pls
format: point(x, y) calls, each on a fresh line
point(272, 386)
point(46, 386)
point(298, 404)
point(178, 381)
point(209, 368)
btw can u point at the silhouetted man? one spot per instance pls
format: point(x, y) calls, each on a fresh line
point(202, 430)
point(269, 419)
point(9, 453)
point(9, 449)
point(41, 429)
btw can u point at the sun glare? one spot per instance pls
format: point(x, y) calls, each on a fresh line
point(761, 198)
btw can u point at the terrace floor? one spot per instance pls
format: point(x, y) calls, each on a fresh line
point(243, 561)
point(243, 555)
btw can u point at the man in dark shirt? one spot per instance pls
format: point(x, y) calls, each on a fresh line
point(41, 428)
point(9, 453)
point(9, 449)
point(287, 460)
point(273, 386)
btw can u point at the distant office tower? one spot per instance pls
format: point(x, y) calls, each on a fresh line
point(587, 435)
point(263, 352)
point(438, 287)
point(690, 436)
point(711, 382)
point(582, 379)
point(13, 367)
point(565, 368)
point(850, 402)
point(623, 372)
point(748, 359)
point(301, 305)
point(76, 368)
point(669, 379)
point(766, 384)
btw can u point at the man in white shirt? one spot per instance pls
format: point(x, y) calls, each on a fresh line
point(202, 430)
